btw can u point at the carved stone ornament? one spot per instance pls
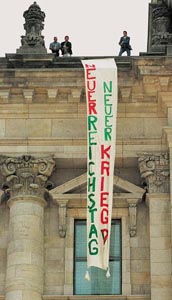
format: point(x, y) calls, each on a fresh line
point(26, 175)
point(161, 25)
point(62, 209)
point(154, 169)
point(132, 205)
point(33, 41)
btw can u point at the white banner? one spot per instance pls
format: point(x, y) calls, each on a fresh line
point(101, 95)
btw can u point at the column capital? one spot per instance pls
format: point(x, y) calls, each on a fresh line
point(155, 172)
point(26, 175)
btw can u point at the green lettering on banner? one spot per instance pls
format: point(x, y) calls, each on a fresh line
point(91, 173)
point(106, 99)
point(91, 199)
point(91, 184)
point(92, 212)
point(91, 138)
point(107, 88)
point(107, 133)
point(92, 208)
point(107, 120)
point(93, 230)
point(91, 122)
point(93, 250)
point(90, 152)
point(108, 109)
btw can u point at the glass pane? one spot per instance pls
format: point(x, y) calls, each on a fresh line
point(80, 241)
point(82, 286)
point(98, 284)
point(115, 276)
point(115, 241)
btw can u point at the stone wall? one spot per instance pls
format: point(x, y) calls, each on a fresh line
point(42, 113)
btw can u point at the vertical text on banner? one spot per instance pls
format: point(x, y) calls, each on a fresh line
point(101, 95)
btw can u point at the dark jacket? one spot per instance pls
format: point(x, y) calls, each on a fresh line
point(125, 42)
point(66, 47)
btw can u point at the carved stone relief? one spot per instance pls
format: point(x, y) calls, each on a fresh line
point(154, 169)
point(26, 175)
point(161, 25)
point(62, 211)
point(33, 41)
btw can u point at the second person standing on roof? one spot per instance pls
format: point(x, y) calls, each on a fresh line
point(66, 47)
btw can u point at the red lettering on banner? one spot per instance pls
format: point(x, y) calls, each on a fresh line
point(90, 94)
point(103, 198)
point(90, 68)
point(105, 234)
point(104, 152)
point(102, 183)
point(104, 216)
point(105, 166)
point(93, 87)
point(92, 108)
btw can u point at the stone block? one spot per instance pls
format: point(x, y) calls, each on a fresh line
point(39, 127)
point(15, 128)
point(140, 278)
point(14, 295)
point(160, 268)
point(160, 243)
point(160, 231)
point(69, 128)
point(140, 266)
point(153, 126)
point(161, 281)
point(161, 293)
point(130, 128)
point(161, 256)
point(54, 278)
point(2, 128)
point(140, 254)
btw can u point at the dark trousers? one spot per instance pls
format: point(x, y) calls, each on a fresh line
point(56, 52)
point(122, 50)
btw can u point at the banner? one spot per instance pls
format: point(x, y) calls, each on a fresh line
point(101, 95)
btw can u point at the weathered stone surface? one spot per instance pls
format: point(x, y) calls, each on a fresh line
point(43, 113)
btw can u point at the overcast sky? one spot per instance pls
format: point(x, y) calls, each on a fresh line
point(94, 26)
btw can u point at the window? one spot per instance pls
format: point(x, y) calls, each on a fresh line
point(99, 284)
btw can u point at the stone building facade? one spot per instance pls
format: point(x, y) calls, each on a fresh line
point(43, 159)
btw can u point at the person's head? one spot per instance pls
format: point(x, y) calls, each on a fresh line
point(55, 39)
point(125, 33)
point(66, 38)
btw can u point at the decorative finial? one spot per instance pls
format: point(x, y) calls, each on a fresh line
point(33, 41)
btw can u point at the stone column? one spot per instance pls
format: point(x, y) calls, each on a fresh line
point(155, 173)
point(25, 187)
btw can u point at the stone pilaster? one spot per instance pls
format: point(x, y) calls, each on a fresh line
point(160, 246)
point(154, 169)
point(25, 186)
point(168, 134)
